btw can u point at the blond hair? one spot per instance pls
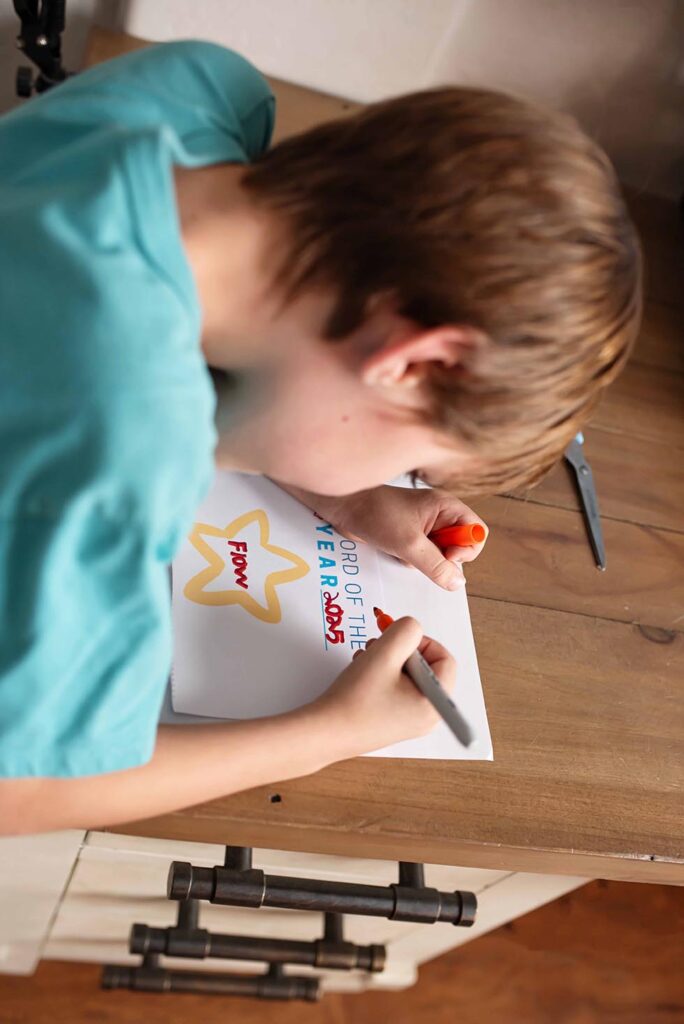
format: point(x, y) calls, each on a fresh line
point(473, 208)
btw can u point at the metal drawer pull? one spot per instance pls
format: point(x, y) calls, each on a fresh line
point(245, 886)
point(150, 977)
point(188, 940)
point(238, 883)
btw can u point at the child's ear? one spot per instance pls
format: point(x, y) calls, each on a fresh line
point(406, 357)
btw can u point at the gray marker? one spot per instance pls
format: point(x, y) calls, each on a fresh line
point(420, 673)
point(417, 668)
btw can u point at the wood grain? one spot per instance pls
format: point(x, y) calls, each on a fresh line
point(659, 223)
point(588, 728)
point(635, 443)
point(541, 556)
point(69, 993)
point(606, 954)
point(585, 707)
point(105, 44)
point(645, 402)
point(661, 339)
point(637, 481)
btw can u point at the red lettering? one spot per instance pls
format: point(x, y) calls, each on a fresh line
point(239, 561)
point(333, 617)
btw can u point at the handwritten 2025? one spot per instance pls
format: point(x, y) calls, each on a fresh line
point(333, 611)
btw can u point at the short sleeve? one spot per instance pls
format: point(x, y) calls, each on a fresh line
point(86, 643)
point(210, 96)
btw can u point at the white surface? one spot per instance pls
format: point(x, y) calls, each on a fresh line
point(617, 66)
point(228, 663)
point(34, 871)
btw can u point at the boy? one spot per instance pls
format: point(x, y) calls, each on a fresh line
point(442, 284)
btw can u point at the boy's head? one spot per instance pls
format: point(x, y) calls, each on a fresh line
point(469, 259)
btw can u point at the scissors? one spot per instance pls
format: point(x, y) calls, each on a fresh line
point(574, 455)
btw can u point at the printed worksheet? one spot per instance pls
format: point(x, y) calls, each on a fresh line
point(270, 603)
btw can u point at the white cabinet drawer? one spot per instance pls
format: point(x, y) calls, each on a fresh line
point(120, 880)
point(34, 871)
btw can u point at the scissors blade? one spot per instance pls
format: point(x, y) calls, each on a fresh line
point(574, 454)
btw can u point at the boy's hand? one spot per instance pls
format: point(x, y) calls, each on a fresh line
point(397, 520)
point(373, 703)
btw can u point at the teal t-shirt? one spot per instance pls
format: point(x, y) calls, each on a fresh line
point(106, 405)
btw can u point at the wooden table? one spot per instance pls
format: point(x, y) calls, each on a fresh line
point(583, 671)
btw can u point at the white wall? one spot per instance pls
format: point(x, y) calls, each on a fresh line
point(362, 49)
point(618, 65)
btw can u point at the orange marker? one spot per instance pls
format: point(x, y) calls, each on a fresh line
point(383, 619)
point(420, 673)
point(461, 536)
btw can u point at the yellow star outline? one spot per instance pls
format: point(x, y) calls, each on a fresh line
point(194, 588)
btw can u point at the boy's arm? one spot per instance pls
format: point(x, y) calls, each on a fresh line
point(191, 764)
point(372, 704)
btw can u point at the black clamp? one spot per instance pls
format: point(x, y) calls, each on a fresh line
point(42, 24)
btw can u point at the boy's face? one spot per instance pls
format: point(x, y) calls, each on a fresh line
point(333, 417)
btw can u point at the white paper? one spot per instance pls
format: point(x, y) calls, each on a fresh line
point(251, 588)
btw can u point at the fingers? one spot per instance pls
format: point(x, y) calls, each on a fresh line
point(470, 551)
point(362, 650)
point(427, 557)
point(452, 512)
point(397, 642)
point(440, 661)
